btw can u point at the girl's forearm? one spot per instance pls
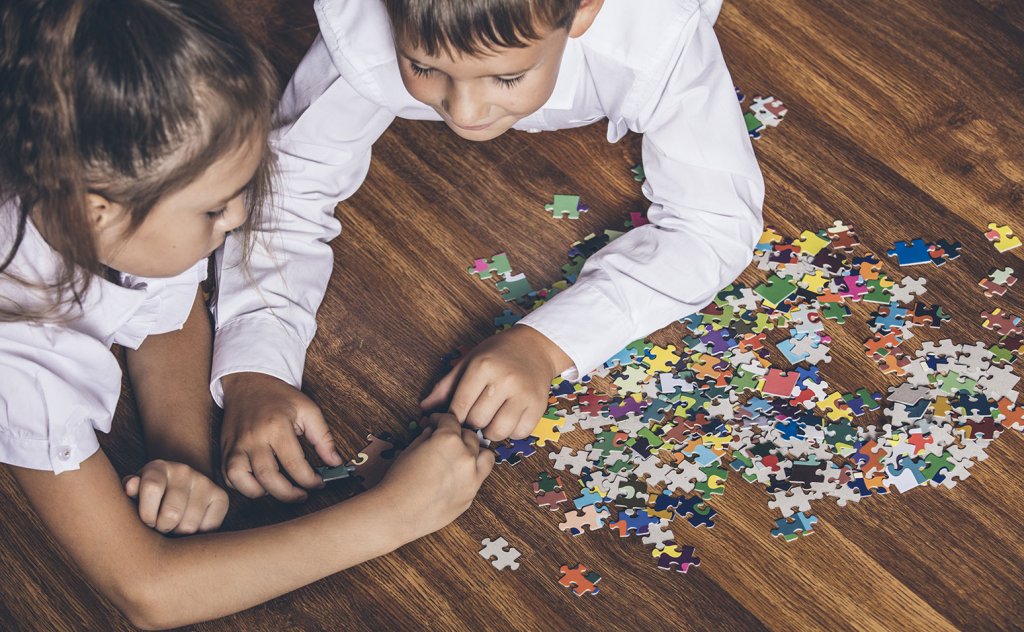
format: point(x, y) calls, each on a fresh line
point(214, 575)
point(170, 378)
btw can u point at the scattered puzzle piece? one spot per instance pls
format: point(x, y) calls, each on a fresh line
point(500, 553)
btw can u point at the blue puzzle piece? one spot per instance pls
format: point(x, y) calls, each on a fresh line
point(910, 253)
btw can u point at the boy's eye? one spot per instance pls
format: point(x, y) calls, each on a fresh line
point(217, 214)
point(509, 82)
point(420, 71)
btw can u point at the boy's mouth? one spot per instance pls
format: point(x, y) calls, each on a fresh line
point(471, 128)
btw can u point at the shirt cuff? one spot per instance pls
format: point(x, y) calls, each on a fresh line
point(586, 324)
point(57, 454)
point(256, 344)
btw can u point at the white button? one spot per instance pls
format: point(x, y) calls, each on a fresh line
point(64, 454)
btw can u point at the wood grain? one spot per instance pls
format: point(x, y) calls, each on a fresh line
point(904, 120)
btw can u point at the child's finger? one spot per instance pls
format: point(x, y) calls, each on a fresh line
point(527, 422)
point(151, 489)
point(313, 426)
point(484, 463)
point(505, 421)
point(131, 485)
point(470, 439)
point(267, 472)
point(289, 454)
point(486, 406)
point(442, 391)
point(172, 508)
point(215, 512)
point(238, 476)
point(191, 519)
point(467, 392)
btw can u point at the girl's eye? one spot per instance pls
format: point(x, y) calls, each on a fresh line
point(217, 214)
point(420, 71)
point(511, 81)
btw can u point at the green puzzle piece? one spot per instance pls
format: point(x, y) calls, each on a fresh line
point(566, 206)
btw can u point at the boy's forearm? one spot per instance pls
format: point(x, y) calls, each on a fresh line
point(219, 574)
point(170, 378)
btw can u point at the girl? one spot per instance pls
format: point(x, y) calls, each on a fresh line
point(132, 140)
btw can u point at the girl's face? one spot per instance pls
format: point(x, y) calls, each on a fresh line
point(184, 227)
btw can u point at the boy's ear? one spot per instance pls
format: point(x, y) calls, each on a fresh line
point(584, 17)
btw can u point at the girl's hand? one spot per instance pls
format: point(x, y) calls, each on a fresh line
point(437, 476)
point(174, 498)
point(503, 384)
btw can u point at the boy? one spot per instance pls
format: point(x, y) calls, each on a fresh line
point(653, 67)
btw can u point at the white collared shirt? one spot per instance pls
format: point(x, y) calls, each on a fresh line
point(653, 67)
point(59, 382)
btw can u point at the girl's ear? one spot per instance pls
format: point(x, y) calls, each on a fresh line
point(584, 17)
point(103, 214)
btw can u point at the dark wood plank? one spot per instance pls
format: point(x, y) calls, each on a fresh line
point(903, 121)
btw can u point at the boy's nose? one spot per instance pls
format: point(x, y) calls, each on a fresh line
point(465, 107)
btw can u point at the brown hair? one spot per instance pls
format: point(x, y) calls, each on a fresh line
point(476, 26)
point(129, 99)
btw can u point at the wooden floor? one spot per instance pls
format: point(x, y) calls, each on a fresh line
point(905, 120)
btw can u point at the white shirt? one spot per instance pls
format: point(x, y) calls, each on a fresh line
point(653, 67)
point(59, 382)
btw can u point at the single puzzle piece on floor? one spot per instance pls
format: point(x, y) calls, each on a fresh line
point(487, 268)
point(768, 110)
point(910, 253)
point(1002, 237)
point(500, 553)
point(564, 206)
point(551, 500)
point(997, 282)
point(581, 580)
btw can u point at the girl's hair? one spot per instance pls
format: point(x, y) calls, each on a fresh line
point(128, 99)
point(475, 26)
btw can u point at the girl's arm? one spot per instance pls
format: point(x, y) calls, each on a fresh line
point(170, 376)
point(159, 582)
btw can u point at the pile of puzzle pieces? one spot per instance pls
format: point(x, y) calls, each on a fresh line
point(667, 424)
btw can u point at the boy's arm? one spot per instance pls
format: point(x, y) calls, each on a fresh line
point(706, 191)
point(170, 377)
point(265, 311)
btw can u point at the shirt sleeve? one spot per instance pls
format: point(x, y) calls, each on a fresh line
point(706, 193)
point(265, 311)
point(57, 388)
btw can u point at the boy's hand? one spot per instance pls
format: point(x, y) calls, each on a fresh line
point(263, 417)
point(503, 384)
point(437, 476)
point(174, 498)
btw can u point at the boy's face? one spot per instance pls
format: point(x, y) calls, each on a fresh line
point(481, 96)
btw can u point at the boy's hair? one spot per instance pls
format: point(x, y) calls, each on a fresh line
point(128, 99)
point(473, 27)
